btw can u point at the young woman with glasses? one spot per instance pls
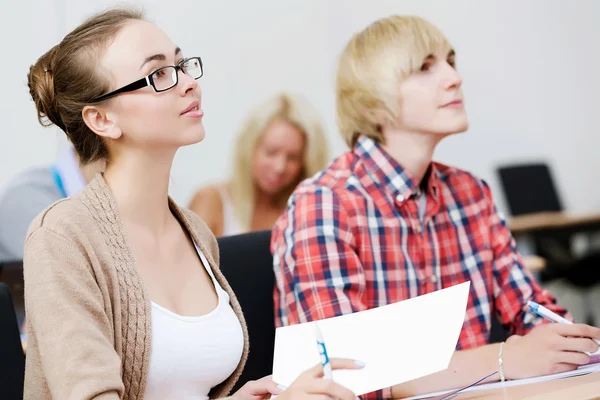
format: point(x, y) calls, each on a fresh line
point(124, 297)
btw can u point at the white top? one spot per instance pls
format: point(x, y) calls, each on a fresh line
point(191, 355)
point(230, 224)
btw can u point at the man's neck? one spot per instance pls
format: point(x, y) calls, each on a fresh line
point(413, 151)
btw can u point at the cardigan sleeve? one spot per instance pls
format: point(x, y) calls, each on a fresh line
point(71, 334)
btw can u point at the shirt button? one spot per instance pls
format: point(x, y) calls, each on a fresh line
point(400, 198)
point(434, 279)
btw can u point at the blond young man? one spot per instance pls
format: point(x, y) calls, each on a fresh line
point(384, 223)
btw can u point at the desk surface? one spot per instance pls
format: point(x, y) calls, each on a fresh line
point(585, 387)
point(530, 222)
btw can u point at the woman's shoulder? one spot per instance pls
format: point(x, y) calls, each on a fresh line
point(65, 217)
point(208, 203)
point(209, 196)
point(63, 239)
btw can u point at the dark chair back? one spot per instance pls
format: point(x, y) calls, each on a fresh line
point(12, 359)
point(11, 274)
point(247, 264)
point(529, 188)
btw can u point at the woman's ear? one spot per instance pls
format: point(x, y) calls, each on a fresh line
point(101, 122)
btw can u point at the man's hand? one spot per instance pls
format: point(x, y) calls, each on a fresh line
point(549, 349)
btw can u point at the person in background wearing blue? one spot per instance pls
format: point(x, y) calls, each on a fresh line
point(34, 189)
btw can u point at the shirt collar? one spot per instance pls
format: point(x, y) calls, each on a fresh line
point(390, 174)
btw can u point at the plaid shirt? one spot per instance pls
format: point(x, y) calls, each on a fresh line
point(351, 239)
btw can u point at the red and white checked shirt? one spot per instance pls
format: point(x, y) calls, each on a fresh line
point(351, 239)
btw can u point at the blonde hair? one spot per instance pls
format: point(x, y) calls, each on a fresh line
point(372, 66)
point(67, 77)
point(293, 109)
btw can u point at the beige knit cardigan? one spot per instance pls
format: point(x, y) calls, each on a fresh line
point(88, 312)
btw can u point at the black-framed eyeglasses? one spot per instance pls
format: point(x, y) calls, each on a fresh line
point(162, 79)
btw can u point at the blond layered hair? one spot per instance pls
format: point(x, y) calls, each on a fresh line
point(373, 65)
point(287, 107)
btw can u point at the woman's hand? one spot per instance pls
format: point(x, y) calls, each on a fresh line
point(257, 390)
point(309, 386)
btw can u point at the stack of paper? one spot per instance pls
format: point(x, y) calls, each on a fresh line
point(584, 370)
point(398, 342)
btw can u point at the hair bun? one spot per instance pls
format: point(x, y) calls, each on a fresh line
point(41, 88)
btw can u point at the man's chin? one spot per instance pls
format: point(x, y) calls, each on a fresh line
point(460, 127)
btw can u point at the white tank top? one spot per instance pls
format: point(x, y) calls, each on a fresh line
point(230, 224)
point(191, 355)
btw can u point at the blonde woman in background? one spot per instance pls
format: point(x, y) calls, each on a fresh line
point(281, 142)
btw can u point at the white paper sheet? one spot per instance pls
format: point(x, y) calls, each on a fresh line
point(583, 370)
point(398, 342)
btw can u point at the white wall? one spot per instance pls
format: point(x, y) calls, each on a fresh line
point(530, 71)
point(28, 29)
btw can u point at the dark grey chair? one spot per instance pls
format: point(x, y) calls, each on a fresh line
point(247, 264)
point(12, 359)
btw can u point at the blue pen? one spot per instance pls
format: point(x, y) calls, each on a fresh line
point(545, 313)
point(327, 370)
point(549, 315)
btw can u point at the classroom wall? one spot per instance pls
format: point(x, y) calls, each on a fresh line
point(530, 74)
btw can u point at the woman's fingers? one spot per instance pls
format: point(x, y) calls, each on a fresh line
point(336, 363)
